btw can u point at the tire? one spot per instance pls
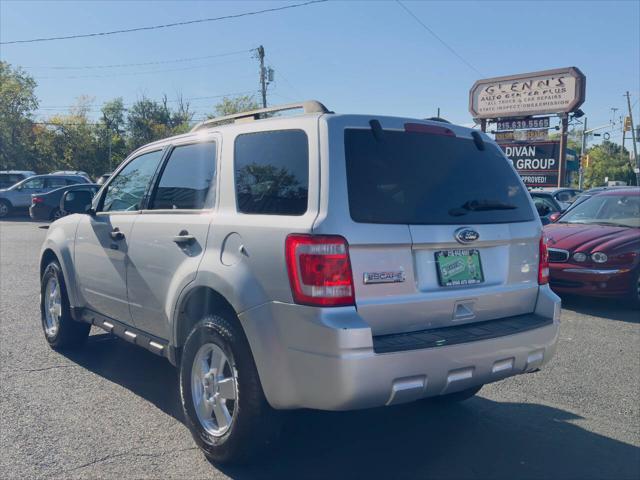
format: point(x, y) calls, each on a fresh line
point(60, 330)
point(5, 208)
point(249, 423)
point(634, 296)
point(55, 214)
point(457, 397)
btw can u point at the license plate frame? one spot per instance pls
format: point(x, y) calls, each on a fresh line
point(459, 267)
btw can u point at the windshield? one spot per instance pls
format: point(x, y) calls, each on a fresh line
point(418, 178)
point(618, 210)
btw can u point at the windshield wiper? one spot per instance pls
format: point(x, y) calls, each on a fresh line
point(480, 206)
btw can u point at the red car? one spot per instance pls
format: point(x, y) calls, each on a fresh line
point(594, 248)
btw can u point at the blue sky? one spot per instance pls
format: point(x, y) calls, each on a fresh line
point(357, 57)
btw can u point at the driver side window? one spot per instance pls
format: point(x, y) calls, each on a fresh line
point(33, 184)
point(126, 190)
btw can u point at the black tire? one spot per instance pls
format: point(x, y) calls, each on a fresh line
point(5, 208)
point(69, 334)
point(55, 214)
point(254, 424)
point(457, 397)
point(634, 295)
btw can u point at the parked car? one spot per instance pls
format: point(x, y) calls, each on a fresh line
point(546, 205)
point(333, 262)
point(594, 249)
point(46, 206)
point(103, 178)
point(564, 196)
point(11, 177)
point(18, 196)
point(72, 172)
point(581, 198)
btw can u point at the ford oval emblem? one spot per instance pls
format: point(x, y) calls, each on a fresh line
point(466, 235)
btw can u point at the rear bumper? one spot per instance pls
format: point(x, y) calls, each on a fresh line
point(39, 212)
point(325, 358)
point(598, 282)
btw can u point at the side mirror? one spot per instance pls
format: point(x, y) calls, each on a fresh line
point(554, 216)
point(77, 201)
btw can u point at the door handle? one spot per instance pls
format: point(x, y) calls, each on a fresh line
point(116, 234)
point(184, 238)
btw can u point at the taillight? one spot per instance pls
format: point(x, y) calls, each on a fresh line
point(35, 200)
point(543, 264)
point(319, 270)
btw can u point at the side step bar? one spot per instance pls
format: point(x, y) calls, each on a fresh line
point(130, 334)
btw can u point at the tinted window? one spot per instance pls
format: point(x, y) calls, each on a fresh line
point(187, 177)
point(53, 182)
point(34, 183)
point(421, 178)
point(272, 172)
point(126, 190)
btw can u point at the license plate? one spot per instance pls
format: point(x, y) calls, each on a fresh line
point(459, 267)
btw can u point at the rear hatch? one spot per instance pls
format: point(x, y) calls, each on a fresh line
point(440, 228)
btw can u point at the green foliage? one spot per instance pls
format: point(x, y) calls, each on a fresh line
point(75, 141)
point(229, 105)
point(608, 160)
point(17, 102)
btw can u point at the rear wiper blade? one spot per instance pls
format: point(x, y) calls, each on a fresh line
point(480, 206)
point(483, 205)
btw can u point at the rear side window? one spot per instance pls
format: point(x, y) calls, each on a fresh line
point(423, 178)
point(187, 178)
point(53, 182)
point(272, 172)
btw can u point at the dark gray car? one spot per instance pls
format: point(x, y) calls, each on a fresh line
point(18, 196)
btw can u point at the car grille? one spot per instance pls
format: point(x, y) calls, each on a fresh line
point(557, 255)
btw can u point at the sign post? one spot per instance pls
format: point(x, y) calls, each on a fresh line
point(564, 120)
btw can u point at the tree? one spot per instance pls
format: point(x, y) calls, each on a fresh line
point(231, 105)
point(608, 160)
point(17, 103)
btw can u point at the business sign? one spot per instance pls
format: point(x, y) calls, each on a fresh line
point(537, 163)
point(538, 93)
point(523, 136)
point(527, 123)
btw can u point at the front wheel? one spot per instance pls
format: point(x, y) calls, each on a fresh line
point(634, 296)
point(5, 208)
point(222, 398)
point(60, 329)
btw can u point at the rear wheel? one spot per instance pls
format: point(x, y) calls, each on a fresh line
point(222, 398)
point(60, 329)
point(634, 297)
point(5, 208)
point(56, 214)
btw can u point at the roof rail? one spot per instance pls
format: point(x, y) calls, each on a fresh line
point(310, 106)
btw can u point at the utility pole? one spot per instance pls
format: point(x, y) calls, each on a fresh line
point(263, 79)
point(633, 139)
point(564, 119)
point(582, 154)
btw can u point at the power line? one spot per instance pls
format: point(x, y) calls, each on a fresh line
point(167, 25)
point(128, 74)
point(460, 57)
point(122, 65)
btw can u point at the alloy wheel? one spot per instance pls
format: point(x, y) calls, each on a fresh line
point(52, 307)
point(214, 389)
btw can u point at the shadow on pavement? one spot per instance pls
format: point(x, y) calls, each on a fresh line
point(480, 438)
point(609, 308)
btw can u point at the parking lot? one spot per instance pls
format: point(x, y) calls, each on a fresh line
point(112, 410)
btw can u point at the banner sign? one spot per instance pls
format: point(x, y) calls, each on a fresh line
point(537, 163)
point(527, 123)
point(523, 136)
point(551, 91)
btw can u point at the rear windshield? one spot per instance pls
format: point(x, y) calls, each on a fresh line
point(420, 178)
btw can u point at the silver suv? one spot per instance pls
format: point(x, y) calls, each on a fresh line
point(318, 261)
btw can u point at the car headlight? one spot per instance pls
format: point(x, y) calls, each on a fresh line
point(599, 257)
point(579, 257)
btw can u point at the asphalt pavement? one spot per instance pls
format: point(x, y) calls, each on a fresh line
point(112, 410)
